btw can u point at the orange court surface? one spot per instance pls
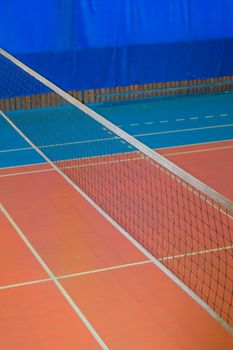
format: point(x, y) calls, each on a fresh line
point(70, 280)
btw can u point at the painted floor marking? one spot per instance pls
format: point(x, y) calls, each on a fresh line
point(63, 144)
point(117, 267)
point(183, 130)
point(15, 149)
point(21, 166)
point(117, 137)
point(213, 250)
point(111, 268)
point(112, 161)
point(27, 172)
point(198, 151)
point(23, 284)
point(54, 279)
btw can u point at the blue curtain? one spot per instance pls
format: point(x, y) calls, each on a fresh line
point(82, 44)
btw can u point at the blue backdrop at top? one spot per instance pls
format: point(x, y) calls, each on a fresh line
point(82, 44)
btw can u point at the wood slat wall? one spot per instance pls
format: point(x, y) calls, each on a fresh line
point(127, 93)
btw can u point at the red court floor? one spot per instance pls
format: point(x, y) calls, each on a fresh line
point(129, 302)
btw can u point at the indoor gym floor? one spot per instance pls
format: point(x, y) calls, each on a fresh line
point(53, 242)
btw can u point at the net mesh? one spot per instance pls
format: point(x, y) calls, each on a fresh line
point(189, 231)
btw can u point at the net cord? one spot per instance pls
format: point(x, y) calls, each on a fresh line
point(188, 178)
point(155, 261)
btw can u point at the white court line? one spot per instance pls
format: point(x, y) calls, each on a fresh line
point(117, 267)
point(27, 172)
point(183, 130)
point(80, 142)
point(111, 268)
point(180, 119)
point(55, 280)
point(136, 244)
point(15, 149)
point(213, 250)
point(21, 166)
point(109, 138)
point(195, 144)
point(77, 188)
point(209, 116)
point(22, 284)
point(224, 115)
point(118, 138)
point(198, 151)
point(148, 152)
point(64, 144)
point(73, 166)
point(167, 147)
point(113, 161)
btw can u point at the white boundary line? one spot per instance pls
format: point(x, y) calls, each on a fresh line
point(15, 150)
point(182, 130)
point(77, 274)
point(27, 172)
point(130, 139)
point(195, 144)
point(55, 281)
point(23, 284)
point(161, 148)
point(111, 268)
point(198, 151)
point(200, 252)
point(126, 234)
point(22, 166)
point(116, 267)
point(110, 162)
point(116, 138)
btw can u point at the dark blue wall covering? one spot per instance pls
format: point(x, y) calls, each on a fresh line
point(83, 44)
